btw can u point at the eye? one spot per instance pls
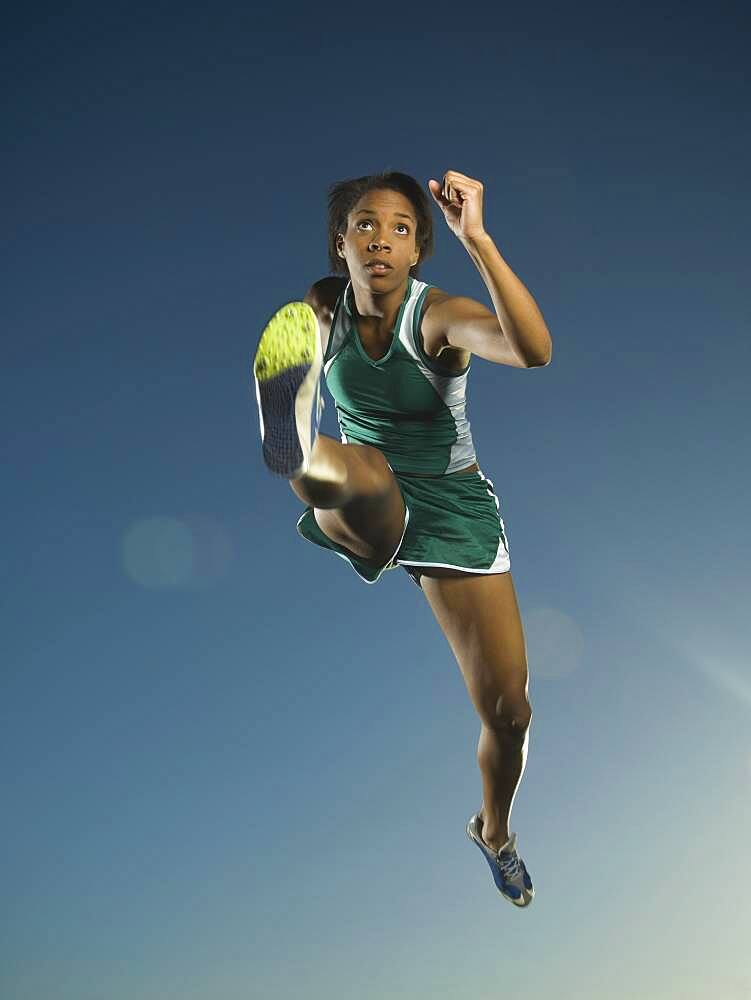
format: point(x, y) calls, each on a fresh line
point(367, 222)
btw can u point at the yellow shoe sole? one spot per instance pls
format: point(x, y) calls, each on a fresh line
point(286, 371)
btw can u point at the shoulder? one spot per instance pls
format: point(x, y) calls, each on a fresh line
point(322, 295)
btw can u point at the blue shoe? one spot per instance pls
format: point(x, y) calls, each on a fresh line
point(287, 372)
point(509, 871)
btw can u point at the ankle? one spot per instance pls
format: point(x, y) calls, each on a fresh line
point(495, 843)
point(495, 838)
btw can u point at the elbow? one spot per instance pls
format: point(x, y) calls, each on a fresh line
point(541, 360)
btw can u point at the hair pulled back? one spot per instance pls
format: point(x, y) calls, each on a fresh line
point(344, 195)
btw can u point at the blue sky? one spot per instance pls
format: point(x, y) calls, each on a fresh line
point(230, 768)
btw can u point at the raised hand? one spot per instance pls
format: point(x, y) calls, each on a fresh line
point(460, 200)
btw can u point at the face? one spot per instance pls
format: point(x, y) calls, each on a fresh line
point(381, 226)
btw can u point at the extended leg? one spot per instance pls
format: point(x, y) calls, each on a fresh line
point(480, 618)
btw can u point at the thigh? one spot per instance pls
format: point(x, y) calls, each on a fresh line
point(370, 526)
point(479, 615)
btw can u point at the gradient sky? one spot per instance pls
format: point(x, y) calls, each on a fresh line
point(230, 768)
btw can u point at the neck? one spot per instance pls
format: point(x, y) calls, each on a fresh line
point(378, 310)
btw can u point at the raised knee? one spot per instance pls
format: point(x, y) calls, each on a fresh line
point(381, 477)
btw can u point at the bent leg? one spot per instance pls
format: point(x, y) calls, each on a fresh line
point(356, 498)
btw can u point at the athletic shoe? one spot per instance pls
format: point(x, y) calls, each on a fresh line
point(287, 370)
point(509, 872)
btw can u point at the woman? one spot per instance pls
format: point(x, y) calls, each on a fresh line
point(403, 486)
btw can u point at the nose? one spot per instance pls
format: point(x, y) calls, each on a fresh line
point(376, 244)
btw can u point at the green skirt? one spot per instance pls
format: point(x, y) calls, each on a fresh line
point(453, 521)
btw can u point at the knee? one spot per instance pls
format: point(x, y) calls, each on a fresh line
point(377, 469)
point(511, 717)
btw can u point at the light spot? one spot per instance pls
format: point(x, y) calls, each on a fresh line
point(158, 552)
point(554, 643)
point(212, 550)
point(163, 553)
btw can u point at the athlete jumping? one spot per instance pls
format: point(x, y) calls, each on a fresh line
point(403, 486)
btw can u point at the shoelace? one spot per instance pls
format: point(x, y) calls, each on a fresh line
point(510, 865)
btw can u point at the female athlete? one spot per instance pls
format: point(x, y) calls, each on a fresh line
point(403, 486)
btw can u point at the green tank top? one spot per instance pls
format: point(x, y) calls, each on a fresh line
point(406, 404)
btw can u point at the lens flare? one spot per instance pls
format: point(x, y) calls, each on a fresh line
point(163, 553)
point(158, 552)
point(554, 643)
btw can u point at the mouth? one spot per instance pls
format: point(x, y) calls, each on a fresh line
point(378, 268)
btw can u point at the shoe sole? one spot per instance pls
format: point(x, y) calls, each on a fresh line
point(286, 370)
point(527, 895)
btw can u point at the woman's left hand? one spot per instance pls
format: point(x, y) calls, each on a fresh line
point(460, 200)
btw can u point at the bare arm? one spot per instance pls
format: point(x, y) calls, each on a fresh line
point(518, 315)
point(519, 321)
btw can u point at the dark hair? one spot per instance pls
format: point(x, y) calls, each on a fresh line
point(344, 195)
